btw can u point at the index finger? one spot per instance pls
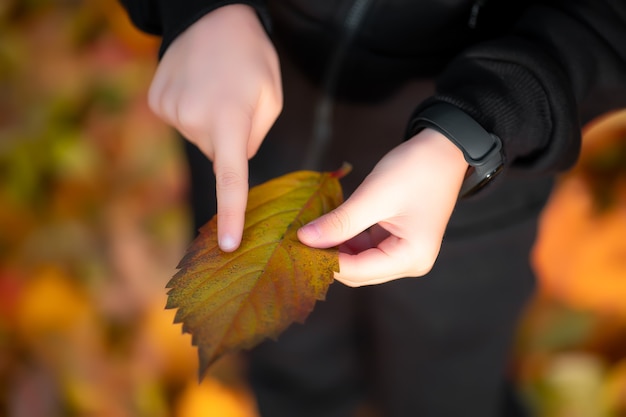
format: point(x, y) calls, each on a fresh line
point(374, 265)
point(231, 131)
point(392, 258)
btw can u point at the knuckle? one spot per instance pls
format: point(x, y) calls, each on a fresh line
point(278, 108)
point(243, 112)
point(161, 101)
point(228, 214)
point(351, 283)
point(338, 220)
point(154, 101)
point(276, 93)
point(190, 114)
point(423, 260)
point(228, 179)
point(421, 270)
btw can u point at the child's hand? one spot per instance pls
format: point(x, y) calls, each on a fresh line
point(393, 224)
point(219, 85)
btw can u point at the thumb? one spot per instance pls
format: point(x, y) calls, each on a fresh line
point(339, 225)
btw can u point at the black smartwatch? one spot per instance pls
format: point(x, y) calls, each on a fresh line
point(482, 150)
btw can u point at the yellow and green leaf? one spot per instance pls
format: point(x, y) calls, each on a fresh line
point(232, 301)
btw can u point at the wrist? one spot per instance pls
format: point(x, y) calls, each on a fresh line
point(447, 159)
point(481, 149)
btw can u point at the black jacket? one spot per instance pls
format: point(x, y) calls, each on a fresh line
point(525, 70)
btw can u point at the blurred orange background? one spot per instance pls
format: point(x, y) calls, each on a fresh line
point(93, 221)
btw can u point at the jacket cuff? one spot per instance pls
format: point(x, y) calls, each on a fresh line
point(506, 91)
point(178, 16)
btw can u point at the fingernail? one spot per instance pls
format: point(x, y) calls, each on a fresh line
point(310, 232)
point(227, 243)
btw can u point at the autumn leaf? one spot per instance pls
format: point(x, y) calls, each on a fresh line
point(232, 301)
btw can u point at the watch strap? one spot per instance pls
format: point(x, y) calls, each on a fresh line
point(482, 150)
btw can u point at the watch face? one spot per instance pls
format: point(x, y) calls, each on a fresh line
point(470, 171)
point(474, 183)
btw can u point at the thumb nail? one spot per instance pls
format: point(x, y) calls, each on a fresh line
point(310, 232)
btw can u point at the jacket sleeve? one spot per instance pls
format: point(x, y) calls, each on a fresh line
point(168, 18)
point(529, 86)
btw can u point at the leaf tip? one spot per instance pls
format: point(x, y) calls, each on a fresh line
point(202, 371)
point(205, 361)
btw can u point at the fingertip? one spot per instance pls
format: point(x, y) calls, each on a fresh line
point(309, 233)
point(331, 229)
point(228, 243)
point(369, 267)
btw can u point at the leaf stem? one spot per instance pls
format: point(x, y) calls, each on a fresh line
point(342, 172)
